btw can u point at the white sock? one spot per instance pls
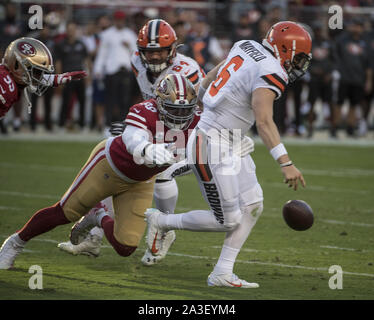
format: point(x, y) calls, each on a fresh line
point(166, 195)
point(19, 241)
point(100, 217)
point(226, 260)
point(196, 220)
point(96, 231)
point(235, 239)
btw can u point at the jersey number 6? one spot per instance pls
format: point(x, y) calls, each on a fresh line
point(224, 75)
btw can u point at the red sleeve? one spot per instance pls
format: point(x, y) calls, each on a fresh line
point(8, 93)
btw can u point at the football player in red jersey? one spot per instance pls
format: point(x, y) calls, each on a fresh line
point(155, 58)
point(28, 65)
point(124, 167)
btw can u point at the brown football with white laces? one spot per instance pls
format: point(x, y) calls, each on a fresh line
point(298, 215)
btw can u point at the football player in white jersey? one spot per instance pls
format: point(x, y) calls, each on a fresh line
point(245, 87)
point(156, 57)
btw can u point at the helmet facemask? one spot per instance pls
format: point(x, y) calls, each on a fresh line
point(298, 66)
point(176, 101)
point(33, 76)
point(157, 67)
point(176, 115)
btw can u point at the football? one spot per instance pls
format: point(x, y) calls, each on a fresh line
point(298, 215)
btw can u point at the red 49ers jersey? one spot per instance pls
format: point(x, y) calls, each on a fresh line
point(145, 116)
point(8, 91)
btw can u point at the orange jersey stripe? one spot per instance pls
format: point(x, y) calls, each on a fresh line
point(275, 82)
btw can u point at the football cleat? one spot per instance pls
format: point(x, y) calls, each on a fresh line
point(88, 247)
point(154, 233)
point(229, 280)
point(80, 229)
point(167, 240)
point(149, 259)
point(9, 251)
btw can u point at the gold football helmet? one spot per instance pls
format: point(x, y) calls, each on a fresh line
point(176, 101)
point(28, 60)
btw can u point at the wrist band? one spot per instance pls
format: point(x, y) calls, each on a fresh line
point(278, 151)
point(286, 164)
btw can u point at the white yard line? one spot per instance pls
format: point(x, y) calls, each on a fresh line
point(43, 167)
point(243, 249)
point(357, 224)
point(271, 264)
point(281, 265)
point(346, 173)
point(319, 188)
point(11, 208)
point(344, 249)
point(29, 195)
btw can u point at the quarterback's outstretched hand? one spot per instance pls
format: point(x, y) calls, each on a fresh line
point(292, 175)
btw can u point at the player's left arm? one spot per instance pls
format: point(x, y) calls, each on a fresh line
point(262, 104)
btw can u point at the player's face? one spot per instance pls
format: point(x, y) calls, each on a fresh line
point(156, 56)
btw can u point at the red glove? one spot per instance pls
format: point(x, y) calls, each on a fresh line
point(66, 77)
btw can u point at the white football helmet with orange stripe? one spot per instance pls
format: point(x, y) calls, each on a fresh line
point(176, 101)
point(28, 60)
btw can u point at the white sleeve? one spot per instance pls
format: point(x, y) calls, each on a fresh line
point(135, 139)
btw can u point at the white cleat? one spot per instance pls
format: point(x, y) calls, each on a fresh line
point(88, 247)
point(166, 241)
point(149, 259)
point(229, 280)
point(154, 233)
point(82, 227)
point(9, 251)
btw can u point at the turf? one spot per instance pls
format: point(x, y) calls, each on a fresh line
point(287, 264)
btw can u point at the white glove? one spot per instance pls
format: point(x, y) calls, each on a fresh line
point(245, 147)
point(158, 154)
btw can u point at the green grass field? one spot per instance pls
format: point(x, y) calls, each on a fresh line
point(287, 264)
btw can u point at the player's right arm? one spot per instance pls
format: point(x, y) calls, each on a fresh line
point(137, 138)
point(262, 104)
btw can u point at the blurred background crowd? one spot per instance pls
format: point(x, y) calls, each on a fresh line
point(335, 95)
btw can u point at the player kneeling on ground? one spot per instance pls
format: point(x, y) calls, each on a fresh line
point(123, 167)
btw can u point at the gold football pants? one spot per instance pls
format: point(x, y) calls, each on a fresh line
point(97, 181)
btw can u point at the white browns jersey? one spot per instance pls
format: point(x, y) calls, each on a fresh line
point(227, 101)
point(181, 64)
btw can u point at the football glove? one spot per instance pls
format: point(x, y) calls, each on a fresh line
point(54, 80)
point(158, 155)
point(117, 128)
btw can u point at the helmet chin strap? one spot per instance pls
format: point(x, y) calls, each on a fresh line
point(29, 104)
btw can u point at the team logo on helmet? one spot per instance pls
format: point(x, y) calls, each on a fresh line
point(26, 48)
point(163, 87)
